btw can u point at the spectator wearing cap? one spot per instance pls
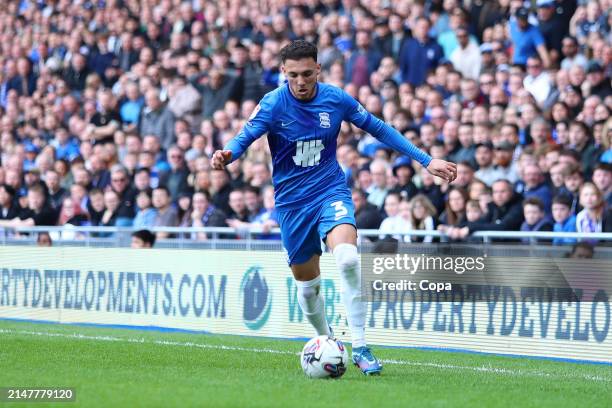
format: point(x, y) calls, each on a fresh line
point(466, 57)
point(31, 151)
point(420, 54)
point(552, 26)
point(487, 173)
point(527, 39)
point(383, 38)
point(403, 171)
point(569, 49)
point(487, 61)
point(596, 81)
point(538, 82)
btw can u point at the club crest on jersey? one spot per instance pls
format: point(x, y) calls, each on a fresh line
point(325, 122)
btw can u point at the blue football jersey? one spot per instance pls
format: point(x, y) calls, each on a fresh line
point(302, 136)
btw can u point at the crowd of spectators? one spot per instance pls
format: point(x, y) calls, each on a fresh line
point(111, 109)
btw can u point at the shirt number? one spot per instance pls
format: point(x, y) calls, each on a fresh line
point(308, 153)
point(341, 210)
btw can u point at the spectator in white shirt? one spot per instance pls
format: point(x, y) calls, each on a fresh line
point(466, 57)
point(537, 82)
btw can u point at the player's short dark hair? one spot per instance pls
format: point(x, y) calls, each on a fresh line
point(145, 235)
point(297, 50)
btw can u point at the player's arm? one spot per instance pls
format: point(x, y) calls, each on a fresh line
point(257, 125)
point(360, 117)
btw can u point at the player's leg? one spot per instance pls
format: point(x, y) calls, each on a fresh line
point(308, 281)
point(342, 241)
point(341, 237)
point(303, 246)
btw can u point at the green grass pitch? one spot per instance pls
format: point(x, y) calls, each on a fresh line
point(140, 368)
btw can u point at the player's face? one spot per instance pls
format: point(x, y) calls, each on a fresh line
point(302, 76)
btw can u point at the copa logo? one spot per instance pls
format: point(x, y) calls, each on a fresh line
point(256, 298)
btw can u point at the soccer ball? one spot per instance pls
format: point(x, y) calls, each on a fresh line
point(323, 357)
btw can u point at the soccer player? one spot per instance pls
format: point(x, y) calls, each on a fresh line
point(302, 119)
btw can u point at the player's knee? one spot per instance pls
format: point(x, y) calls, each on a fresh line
point(308, 289)
point(347, 257)
point(308, 292)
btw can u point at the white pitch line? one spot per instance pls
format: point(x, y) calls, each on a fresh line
point(489, 369)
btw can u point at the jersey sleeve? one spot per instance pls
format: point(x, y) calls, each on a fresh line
point(357, 115)
point(256, 126)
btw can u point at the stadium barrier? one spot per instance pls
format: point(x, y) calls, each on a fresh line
point(252, 293)
point(120, 236)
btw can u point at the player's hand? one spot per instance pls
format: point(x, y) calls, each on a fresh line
point(220, 159)
point(443, 169)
